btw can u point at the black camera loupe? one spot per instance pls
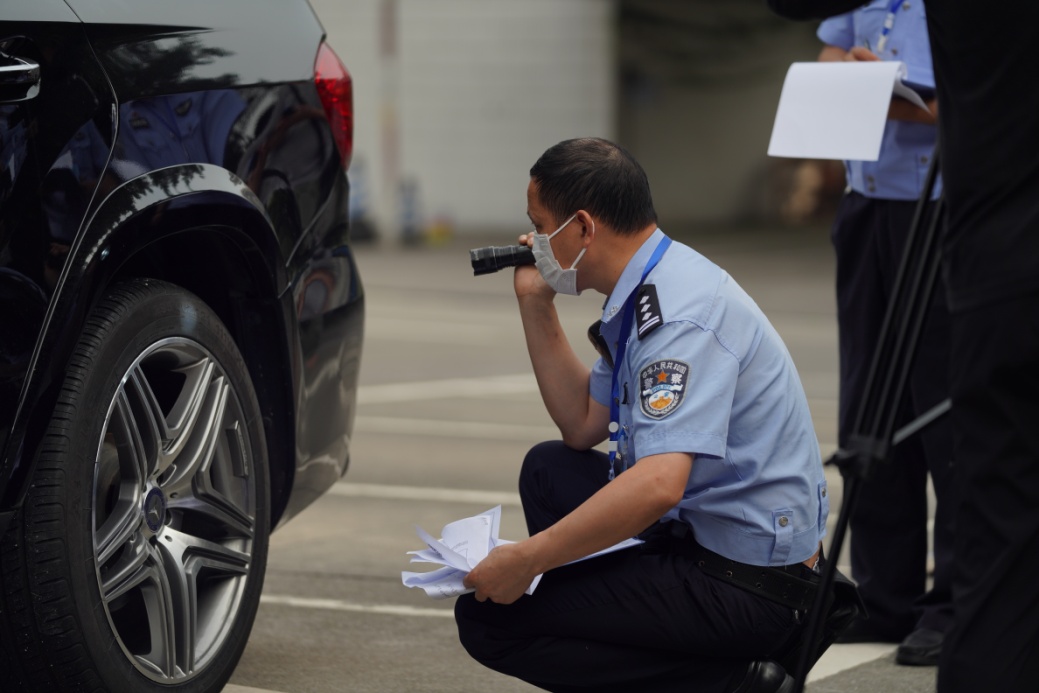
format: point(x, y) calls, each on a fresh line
point(493, 258)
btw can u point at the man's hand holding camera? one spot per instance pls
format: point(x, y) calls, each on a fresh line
point(527, 280)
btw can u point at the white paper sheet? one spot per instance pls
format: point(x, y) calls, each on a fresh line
point(837, 110)
point(463, 545)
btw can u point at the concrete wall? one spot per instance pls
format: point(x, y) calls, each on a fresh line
point(458, 98)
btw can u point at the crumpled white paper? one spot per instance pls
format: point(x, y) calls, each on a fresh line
point(463, 544)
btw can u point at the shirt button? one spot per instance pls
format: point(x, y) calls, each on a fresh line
point(894, 51)
point(923, 159)
point(872, 188)
point(824, 493)
point(905, 5)
point(784, 521)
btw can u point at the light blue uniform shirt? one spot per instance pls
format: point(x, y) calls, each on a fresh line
point(906, 149)
point(733, 399)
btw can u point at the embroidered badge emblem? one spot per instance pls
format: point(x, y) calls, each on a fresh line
point(662, 387)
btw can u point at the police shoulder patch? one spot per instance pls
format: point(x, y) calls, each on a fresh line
point(662, 387)
point(647, 310)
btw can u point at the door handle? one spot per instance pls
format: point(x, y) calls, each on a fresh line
point(19, 79)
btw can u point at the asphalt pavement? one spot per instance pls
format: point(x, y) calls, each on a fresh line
point(447, 409)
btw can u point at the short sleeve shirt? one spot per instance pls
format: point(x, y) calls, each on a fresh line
point(713, 378)
point(906, 148)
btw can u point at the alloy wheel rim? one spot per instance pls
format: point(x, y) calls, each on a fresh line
point(173, 510)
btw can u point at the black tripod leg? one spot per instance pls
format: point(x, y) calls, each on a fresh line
point(872, 436)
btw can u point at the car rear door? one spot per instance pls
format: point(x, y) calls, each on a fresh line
point(55, 139)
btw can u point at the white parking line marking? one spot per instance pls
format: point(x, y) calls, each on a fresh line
point(841, 657)
point(422, 493)
point(452, 387)
point(339, 605)
point(435, 331)
point(478, 430)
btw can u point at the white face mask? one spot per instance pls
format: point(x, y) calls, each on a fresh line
point(563, 281)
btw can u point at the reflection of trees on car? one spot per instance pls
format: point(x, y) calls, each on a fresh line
point(150, 65)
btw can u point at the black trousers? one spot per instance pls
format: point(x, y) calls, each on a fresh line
point(889, 522)
point(994, 643)
point(642, 619)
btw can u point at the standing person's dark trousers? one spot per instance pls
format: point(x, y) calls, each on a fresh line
point(994, 645)
point(644, 618)
point(889, 522)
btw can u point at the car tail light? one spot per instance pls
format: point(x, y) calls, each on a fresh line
point(336, 89)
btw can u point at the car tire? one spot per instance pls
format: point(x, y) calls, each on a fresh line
point(136, 561)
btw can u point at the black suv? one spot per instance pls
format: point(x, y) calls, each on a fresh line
point(181, 321)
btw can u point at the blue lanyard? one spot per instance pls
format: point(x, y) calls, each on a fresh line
point(622, 346)
point(889, 24)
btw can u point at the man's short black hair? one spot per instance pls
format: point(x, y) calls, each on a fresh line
point(599, 177)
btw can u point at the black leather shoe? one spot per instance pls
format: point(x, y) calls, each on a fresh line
point(921, 648)
point(764, 676)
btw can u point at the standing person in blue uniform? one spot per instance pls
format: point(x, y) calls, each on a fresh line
point(713, 461)
point(984, 60)
point(889, 533)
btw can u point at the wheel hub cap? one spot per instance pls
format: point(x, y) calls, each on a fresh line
point(155, 509)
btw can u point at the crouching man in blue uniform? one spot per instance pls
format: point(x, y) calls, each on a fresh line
point(713, 462)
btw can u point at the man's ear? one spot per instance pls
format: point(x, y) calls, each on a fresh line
point(586, 221)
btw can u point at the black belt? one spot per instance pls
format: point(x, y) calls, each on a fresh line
point(793, 586)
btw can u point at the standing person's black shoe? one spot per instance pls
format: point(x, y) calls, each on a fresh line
point(764, 676)
point(922, 647)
